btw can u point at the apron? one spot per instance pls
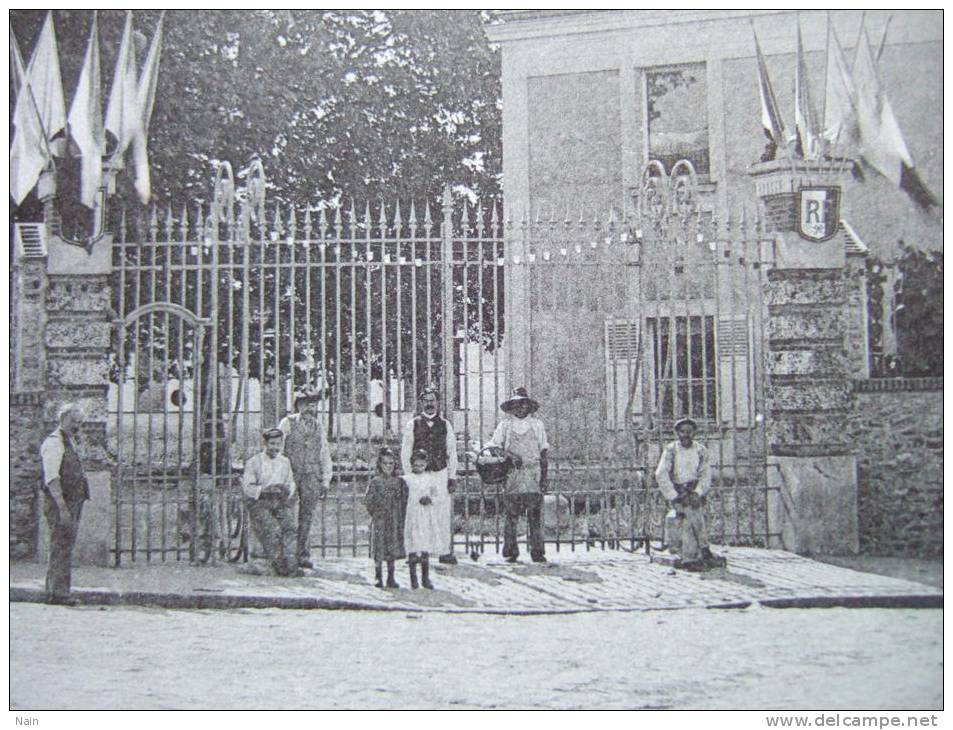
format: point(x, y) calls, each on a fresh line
point(303, 449)
point(524, 480)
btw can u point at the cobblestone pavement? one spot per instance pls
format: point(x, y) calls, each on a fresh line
point(756, 658)
point(571, 582)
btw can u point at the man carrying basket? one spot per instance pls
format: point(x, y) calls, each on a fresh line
point(522, 437)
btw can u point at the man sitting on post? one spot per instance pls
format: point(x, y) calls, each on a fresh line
point(269, 489)
point(684, 478)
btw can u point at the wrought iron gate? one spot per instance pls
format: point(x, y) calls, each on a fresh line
point(224, 313)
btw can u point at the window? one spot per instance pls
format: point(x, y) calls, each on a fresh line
point(676, 114)
point(696, 365)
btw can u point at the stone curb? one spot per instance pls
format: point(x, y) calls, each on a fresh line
point(181, 601)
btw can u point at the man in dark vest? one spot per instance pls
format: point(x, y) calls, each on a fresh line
point(64, 490)
point(429, 432)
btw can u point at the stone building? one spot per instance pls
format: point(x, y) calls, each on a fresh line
point(598, 107)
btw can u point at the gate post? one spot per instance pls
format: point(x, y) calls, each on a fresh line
point(809, 338)
point(70, 357)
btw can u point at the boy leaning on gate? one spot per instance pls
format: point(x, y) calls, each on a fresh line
point(684, 478)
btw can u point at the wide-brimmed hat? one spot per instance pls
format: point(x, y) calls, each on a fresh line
point(685, 421)
point(270, 433)
point(519, 395)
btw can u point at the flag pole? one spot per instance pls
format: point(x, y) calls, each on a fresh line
point(883, 39)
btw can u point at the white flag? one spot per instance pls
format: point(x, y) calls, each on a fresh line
point(86, 120)
point(122, 112)
point(146, 100)
point(29, 151)
point(43, 74)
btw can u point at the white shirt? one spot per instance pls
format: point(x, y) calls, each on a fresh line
point(407, 447)
point(262, 471)
point(51, 452)
point(512, 424)
point(686, 465)
point(325, 456)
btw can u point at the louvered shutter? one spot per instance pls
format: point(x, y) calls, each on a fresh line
point(623, 373)
point(733, 344)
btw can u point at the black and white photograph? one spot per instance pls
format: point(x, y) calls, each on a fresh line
point(477, 360)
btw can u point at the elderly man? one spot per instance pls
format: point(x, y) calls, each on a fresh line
point(306, 446)
point(684, 478)
point(269, 488)
point(64, 490)
point(429, 432)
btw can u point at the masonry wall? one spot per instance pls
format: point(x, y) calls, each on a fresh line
point(26, 434)
point(897, 426)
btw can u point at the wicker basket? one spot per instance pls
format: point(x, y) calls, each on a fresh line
point(493, 465)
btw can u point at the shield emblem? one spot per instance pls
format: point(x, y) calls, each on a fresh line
point(818, 212)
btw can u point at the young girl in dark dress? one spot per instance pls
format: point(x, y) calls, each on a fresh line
point(386, 501)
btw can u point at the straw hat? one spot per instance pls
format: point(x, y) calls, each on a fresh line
point(519, 395)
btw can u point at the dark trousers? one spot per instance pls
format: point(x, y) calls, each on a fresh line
point(272, 519)
point(62, 538)
point(308, 498)
point(513, 506)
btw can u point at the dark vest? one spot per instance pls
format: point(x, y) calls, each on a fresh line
point(433, 441)
point(72, 480)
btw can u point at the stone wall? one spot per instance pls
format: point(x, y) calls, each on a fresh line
point(26, 434)
point(897, 427)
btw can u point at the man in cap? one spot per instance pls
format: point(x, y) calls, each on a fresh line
point(429, 432)
point(306, 446)
point(269, 488)
point(684, 478)
point(64, 490)
point(522, 437)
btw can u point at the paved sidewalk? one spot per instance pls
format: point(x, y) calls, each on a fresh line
point(571, 582)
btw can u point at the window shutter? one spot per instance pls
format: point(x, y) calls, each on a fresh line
point(623, 373)
point(733, 343)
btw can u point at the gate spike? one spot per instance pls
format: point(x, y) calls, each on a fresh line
point(412, 216)
point(277, 225)
point(199, 219)
point(153, 222)
point(184, 223)
point(169, 222)
point(293, 224)
point(307, 223)
point(338, 222)
point(367, 216)
point(465, 218)
point(428, 221)
point(479, 214)
point(352, 216)
point(494, 221)
point(122, 225)
point(398, 220)
point(382, 218)
point(322, 221)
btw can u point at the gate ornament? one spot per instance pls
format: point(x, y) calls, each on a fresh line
point(668, 203)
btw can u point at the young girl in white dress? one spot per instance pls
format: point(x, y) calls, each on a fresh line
point(422, 534)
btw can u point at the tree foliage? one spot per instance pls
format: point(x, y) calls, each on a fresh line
point(338, 104)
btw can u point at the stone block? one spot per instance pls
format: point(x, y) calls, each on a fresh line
point(794, 252)
point(808, 395)
point(79, 334)
point(67, 259)
point(820, 323)
point(805, 289)
point(819, 362)
point(787, 430)
point(78, 295)
point(815, 507)
point(62, 372)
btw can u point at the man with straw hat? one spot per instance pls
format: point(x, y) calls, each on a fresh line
point(431, 433)
point(306, 446)
point(522, 437)
point(684, 478)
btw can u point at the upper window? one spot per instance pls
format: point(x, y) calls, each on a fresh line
point(676, 113)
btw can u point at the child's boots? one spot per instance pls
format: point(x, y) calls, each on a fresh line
point(425, 573)
point(391, 583)
point(412, 562)
point(378, 579)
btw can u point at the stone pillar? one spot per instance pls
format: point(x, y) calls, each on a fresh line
point(808, 295)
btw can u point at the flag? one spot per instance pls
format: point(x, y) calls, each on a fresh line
point(881, 142)
point(29, 151)
point(122, 111)
point(840, 98)
point(43, 74)
point(86, 121)
point(771, 119)
point(805, 116)
point(145, 98)
point(16, 63)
